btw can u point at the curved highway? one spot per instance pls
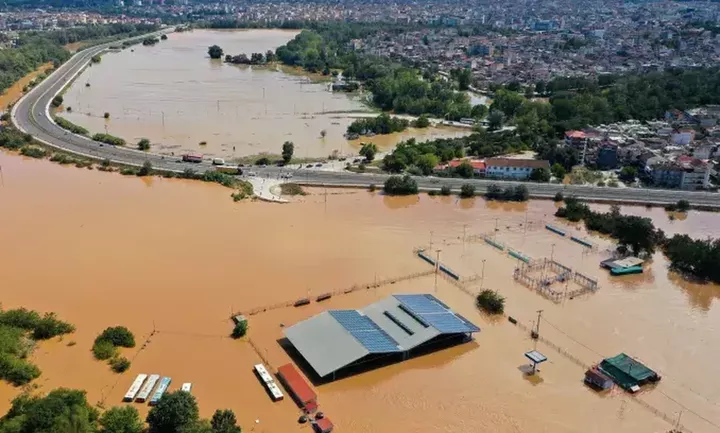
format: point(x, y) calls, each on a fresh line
point(31, 115)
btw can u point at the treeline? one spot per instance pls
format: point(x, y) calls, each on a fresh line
point(100, 31)
point(638, 236)
point(393, 86)
point(382, 124)
point(65, 410)
point(30, 53)
point(254, 59)
point(18, 329)
point(578, 102)
point(634, 234)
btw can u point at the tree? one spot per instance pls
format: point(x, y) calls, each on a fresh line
point(445, 190)
point(558, 171)
point(683, 205)
point(558, 197)
point(119, 364)
point(400, 185)
point(270, 56)
point(368, 150)
point(540, 175)
point(490, 302)
point(240, 330)
point(118, 336)
point(421, 122)
point(288, 148)
point(628, 174)
point(465, 169)
point(427, 163)
point(464, 78)
point(144, 144)
point(164, 37)
point(174, 411)
point(121, 419)
point(479, 111)
point(467, 190)
point(215, 52)
point(146, 169)
point(224, 421)
point(493, 192)
point(495, 120)
point(106, 115)
point(57, 101)
point(62, 410)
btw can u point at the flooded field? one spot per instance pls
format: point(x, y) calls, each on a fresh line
point(178, 257)
point(176, 96)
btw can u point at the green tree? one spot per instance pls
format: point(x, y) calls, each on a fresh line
point(146, 169)
point(57, 101)
point(540, 175)
point(121, 419)
point(106, 115)
point(400, 185)
point(117, 336)
point(288, 148)
point(495, 120)
point(119, 364)
point(62, 410)
point(491, 302)
point(464, 78)
point(479, 111)
point(103, 350)
point(445, 190)
point(683, 205)
point(224, 421)
point(215, 52)
point(465, 169)
point(467, 190)
point(628, 174)
point(558, 197)
point(421, 122)
point(368, 150)
point(144, 144)
point(173, 412)
point(558, 171)
point(270, 56)
point(163, 37)
point(427, 163)
point(240, 330)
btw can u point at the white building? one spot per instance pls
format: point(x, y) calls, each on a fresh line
point(513, 168)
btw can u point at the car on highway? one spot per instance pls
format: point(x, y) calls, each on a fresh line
point(319, 164)
point(309, 166)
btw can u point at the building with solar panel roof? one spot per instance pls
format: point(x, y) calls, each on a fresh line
point(336, 342)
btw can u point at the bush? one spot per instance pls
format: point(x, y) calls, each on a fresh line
point(683, 205)
point(119, 364)
point(33, 152)
point(491, 302)
point(558, 197)
point(49, 326)
point(129, 171)
point(263, 161)
point(106, 115)
point(146, 169)
point(109, 139)
point(117, 336)
point(66, 124)
point(103, 350)
point(17, 371)
point(11, 139)
point(292, 189)
point(445, 190)
point(400, 185)
point(467, 190)
point(144, 144)
point(421, 122)
point(57, 101)
point(240, 330)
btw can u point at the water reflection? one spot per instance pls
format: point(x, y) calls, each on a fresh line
point(400, 202)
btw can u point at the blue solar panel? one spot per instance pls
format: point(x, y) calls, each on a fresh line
point(429, 309)
point(365, 331)
point(421, 304)
point(449, 323)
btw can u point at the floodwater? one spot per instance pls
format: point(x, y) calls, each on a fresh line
point(179, 256)
point(176, 96)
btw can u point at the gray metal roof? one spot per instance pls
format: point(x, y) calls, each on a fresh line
point(334, 339)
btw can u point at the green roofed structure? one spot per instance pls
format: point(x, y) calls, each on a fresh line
point(627, 372)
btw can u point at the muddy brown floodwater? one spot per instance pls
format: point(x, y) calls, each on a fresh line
point(176, 96)
point(178, 256)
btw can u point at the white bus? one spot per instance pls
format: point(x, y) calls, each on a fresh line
point(135, 387)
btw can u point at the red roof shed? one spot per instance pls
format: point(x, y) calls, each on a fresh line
point(298, 387)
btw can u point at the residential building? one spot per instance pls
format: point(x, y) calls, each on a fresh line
point(686, 173)
point(513, 168)
point(683, 137)
point(477, 165)
point(607, 157)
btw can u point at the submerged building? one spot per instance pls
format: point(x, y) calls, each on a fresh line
point(335, 342)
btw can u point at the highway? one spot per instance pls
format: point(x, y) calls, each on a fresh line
point(31, 115)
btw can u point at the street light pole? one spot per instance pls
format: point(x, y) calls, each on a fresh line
point(482, 275)
point(437, 267)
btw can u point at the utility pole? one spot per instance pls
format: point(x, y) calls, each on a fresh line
point(552, 252)
point(496, 229)
point(482, 275)
point(537, 325)
point(437, 267)
point(464, 230)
